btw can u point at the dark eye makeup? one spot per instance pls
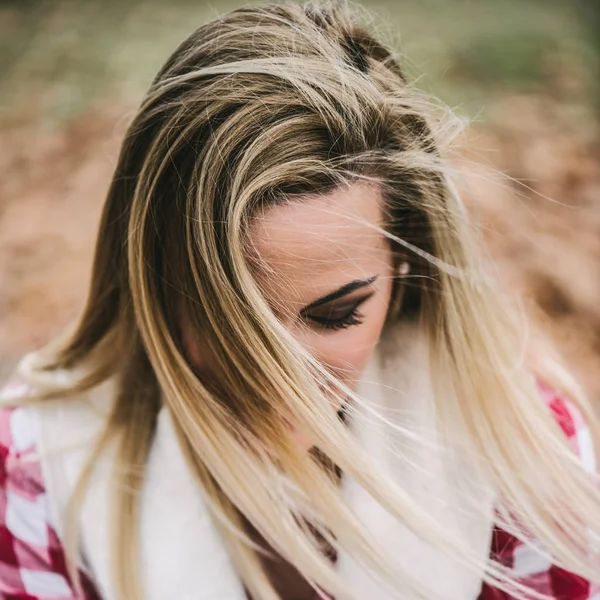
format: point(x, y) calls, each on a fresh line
point(339, 317)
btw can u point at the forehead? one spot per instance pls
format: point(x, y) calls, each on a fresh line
point(317, 243)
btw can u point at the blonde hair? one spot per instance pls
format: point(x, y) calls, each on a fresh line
point(256, 107)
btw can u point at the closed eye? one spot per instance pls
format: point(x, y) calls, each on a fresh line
point(340, 316)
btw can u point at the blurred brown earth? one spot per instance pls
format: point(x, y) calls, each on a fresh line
point(542, 224)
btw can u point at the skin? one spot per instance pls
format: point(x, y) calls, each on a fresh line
point(305, 251)
point(301, 253)
point(312, 248)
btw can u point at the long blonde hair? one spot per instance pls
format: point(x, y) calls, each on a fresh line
point(256, 107)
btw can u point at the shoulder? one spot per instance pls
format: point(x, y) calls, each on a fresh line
point(572, 423)
point(32, 563)
point(18, 449)
point(529, 566)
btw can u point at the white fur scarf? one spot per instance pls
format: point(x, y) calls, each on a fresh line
point(183, 555)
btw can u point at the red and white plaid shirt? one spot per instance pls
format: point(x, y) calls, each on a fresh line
point(32, 558)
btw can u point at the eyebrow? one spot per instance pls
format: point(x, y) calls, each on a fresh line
point(340, 292)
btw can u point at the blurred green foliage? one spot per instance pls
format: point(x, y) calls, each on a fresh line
point(60, 57)
point(506, 59)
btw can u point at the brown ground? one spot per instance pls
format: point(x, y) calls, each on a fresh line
point(546, 236)
point(543, 225)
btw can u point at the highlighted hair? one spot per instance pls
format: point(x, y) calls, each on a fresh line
point(259, 106)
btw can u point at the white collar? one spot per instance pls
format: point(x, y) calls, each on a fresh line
point(183, 555)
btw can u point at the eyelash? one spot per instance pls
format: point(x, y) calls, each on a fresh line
point(354, 317)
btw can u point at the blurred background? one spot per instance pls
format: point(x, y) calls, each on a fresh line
point(525, 72)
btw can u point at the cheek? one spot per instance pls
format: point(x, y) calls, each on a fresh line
point(346, 352)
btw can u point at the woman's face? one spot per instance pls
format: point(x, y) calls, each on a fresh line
point(327, 274)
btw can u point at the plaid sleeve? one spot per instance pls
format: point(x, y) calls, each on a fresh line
point(32, 559)
point(529, 567)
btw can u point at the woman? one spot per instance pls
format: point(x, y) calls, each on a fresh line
point(292, 377)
